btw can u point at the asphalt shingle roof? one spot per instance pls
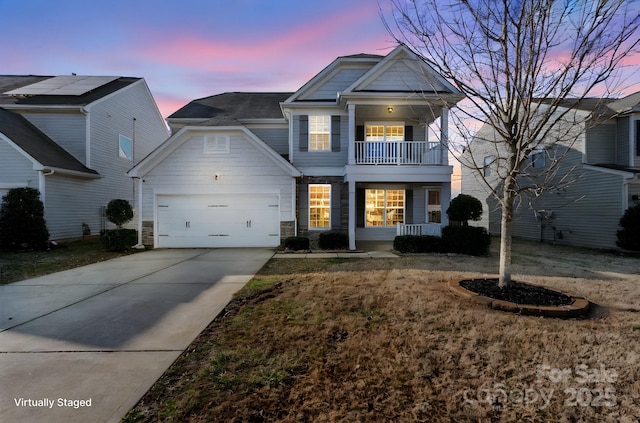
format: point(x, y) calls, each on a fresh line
point(229, 108)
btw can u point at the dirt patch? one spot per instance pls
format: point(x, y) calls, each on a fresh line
point(385, 340)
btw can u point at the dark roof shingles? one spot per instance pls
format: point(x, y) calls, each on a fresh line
point(231, 107)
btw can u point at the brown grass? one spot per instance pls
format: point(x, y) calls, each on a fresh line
point(385, 340)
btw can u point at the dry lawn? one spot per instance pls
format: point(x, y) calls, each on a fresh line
point(384, 340)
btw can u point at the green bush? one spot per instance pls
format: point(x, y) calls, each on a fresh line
point(119, 239)
point(629, 235)
point(417, 244)
point(119, 212)
point(464, 208)
point(469, 240)
point(22, 223)
point(333, 241)
point(296, 243)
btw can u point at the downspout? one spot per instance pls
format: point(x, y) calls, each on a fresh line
point(41, 183)
point(625, 191)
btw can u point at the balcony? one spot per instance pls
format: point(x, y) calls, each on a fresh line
point(398, 153)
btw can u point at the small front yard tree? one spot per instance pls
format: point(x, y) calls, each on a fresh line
point(464, 208)
point(22, 223)
point(119, 212)
point(629, 235)
point(518, 63)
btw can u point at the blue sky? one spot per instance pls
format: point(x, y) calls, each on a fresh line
point(192, 48)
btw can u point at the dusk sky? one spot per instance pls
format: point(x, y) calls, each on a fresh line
point(192, 48)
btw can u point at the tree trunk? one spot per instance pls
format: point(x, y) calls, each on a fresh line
point(505, 238)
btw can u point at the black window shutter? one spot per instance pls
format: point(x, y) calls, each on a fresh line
point(304, 133)
point(360, 133)
point(637, 137)
point(408, 213)
point(335, 133)
point(408, 133)
point(360, 207)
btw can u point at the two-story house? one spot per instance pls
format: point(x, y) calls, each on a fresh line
point(361, 148)
point(599, 173)
point(74, 138)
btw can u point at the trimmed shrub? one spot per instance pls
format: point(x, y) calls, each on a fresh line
point(22, 223)
point(417, 244)
point(119, 239)
point(119, 212)
point(469, 240)
point(296, 243)
point(333, 241)
point(464, 208)
point(629, 235)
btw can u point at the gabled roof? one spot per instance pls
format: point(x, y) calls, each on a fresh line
point(232, 107)
point(630, 103)
point(10, 83)
point(42, 149)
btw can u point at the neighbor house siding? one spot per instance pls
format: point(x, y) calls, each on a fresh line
point(601, 144)
point(67, 129)
point(244, 169)
point(622, 145)
point(303, 159)
point(15, 168)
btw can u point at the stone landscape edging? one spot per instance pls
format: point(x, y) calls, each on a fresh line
point(578, 306)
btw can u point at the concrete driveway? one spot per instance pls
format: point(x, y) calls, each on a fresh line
point(84, 345)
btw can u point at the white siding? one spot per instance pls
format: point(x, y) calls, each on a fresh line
point(15, 168)
point(601, 144)
point(68, 130)
point(244, 169)
point(404, 76)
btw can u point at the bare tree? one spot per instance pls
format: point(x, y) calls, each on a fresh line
point(527, 67)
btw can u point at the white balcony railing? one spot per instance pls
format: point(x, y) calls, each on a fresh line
point(433, 229)
point(398, 152)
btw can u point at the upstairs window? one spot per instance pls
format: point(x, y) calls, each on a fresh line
point(125, 147)
point(319, 133)
point(384, 132)
point(537, 159)
point(488, 161)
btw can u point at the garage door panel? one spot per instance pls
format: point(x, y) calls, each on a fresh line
point(242, 220)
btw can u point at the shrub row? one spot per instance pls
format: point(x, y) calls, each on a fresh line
point(296, 243)
point(119, 239)
point(326, 241)
point(469, 240)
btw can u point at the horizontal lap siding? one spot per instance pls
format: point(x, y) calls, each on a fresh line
point(622, 145)
point(601, 144)
point(338, 82)
point(276, 138)
point(243, 170)
point(67, 129)
point(15, 167)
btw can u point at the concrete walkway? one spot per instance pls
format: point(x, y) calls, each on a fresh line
point(366, 249)
point(84, 345)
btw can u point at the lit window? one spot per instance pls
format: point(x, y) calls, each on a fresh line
point(319, 206)
point(434, 211)
point(125, 147)
point(384, 207)
point(216, 144)
point(319, 133)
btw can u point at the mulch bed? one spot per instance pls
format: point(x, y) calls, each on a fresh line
point(517, 292)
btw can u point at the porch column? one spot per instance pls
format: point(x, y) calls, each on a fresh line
point(139, 245)
point(352, 133)
point(444, 136)
point(352, 215)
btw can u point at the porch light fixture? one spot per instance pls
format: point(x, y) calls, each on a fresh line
point(390, 109)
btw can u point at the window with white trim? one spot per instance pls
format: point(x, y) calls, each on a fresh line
point(488, 161)
point(319, 133)
point(216, 144)
point(434, 210)
point(384, 208)
point(537, 159)
point(384, 132)
point(125, 147)
point(319, 206)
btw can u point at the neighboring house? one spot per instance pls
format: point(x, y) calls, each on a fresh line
point(353, 150)
point(74, 138)
point(602, 167)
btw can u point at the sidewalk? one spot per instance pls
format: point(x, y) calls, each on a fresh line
point(366, 249)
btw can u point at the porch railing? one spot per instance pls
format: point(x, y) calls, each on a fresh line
point(398, 152)
point(433, 229)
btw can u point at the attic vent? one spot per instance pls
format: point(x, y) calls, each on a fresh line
point(215, 144)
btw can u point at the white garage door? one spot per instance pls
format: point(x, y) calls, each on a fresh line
point(210, 221)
